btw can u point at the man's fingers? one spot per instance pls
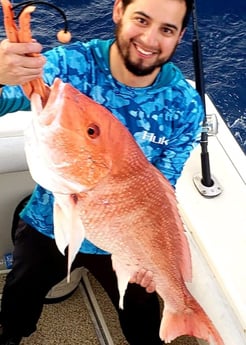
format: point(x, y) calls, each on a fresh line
point(17, 65)
point(151, 287)
point(20, 48)
point(145, 279)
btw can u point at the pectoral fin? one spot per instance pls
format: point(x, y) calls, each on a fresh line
point(123, 277)
point(68, 227)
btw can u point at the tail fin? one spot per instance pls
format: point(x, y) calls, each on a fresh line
point(192, 321)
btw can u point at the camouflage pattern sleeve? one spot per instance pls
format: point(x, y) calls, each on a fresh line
point(185, 136)
point(13, 99)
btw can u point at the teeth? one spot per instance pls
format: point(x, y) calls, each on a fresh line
point(143, 51)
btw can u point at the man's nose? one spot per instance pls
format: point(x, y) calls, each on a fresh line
point(151, 35)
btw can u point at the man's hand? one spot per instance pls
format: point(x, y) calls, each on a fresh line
point(145, 279)
point(16, 66)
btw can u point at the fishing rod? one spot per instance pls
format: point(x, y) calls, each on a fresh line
point(206, 185)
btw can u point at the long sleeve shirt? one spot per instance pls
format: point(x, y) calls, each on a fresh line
point(164, 118)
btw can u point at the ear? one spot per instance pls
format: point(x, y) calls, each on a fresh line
point(117, 11)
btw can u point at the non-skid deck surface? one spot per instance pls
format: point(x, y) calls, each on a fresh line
point(69, 323)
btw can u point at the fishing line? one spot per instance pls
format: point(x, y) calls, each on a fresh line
point(63, 39)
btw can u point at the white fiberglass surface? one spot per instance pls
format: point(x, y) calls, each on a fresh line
point(217, 228)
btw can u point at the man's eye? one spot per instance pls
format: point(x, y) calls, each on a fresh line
point(167, 31)
point(141, 20)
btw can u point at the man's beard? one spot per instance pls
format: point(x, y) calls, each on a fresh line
point(138, 68)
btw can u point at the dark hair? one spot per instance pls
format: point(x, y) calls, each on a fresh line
point(189, 5)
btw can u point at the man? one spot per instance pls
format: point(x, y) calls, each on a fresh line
point(133, 77)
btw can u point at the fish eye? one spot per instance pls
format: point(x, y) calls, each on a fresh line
point(93, 131)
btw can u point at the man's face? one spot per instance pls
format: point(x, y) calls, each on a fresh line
point(147, 33)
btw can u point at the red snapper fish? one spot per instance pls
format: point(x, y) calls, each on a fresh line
point(106, 190)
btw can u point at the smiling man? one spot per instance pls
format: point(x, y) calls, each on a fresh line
point(133, 77)
point(146, 38)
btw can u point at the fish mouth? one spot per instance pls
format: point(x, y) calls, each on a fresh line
point(54, 101)
point(36, 102)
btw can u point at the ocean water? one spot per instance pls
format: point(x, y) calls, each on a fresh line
point(222, 32)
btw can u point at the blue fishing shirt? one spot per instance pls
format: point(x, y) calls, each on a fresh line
point(164, 118)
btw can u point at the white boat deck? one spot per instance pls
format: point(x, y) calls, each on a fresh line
point(215, 226)
point(217, 232)
point(12, 127)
